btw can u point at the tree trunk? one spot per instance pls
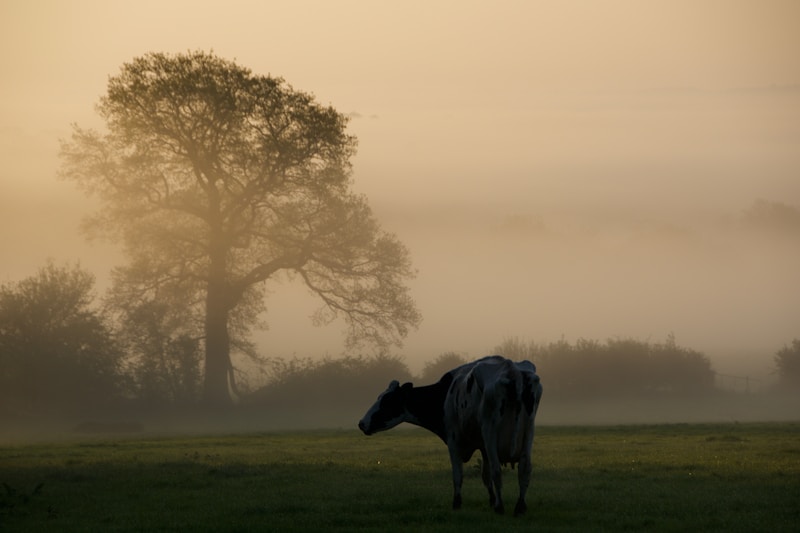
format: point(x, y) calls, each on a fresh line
point(218, 363)
point(218, 343)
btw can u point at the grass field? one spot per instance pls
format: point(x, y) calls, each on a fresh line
point(738, 477)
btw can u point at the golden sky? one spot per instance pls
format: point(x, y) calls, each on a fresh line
point(380, 56)
point(621, 110)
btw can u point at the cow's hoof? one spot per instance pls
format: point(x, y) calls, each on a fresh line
point(457, 502)
point(499, 509)
point(520, 508)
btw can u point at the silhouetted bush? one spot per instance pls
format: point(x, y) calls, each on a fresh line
point(57, 355)
point(787, 363)
point(163, 354)
point(616, 368)
point(330, 384)
point(518, 350)
point(434, 370)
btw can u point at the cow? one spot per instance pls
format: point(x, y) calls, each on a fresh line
point(488, 405)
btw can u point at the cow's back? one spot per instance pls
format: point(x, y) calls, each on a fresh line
point(507, 406)
point(492, 396)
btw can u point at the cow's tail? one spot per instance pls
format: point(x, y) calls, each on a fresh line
point(520, 419)
point(514, 385)
point(527, 390)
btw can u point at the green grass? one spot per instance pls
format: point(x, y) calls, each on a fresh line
point(743, 477)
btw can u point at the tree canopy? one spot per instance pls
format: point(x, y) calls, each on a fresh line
point(217, 180)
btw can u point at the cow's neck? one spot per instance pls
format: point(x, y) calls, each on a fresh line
point(425, 405)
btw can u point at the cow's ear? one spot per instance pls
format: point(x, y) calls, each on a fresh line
point(393, 385)
point(408, 386)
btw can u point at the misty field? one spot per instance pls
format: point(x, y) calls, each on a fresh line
point(737, 477)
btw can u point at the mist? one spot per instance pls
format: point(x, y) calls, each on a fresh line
point(557, 172)
point(635, 227)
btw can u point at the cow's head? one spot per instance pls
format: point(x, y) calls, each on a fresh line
point(388, 411)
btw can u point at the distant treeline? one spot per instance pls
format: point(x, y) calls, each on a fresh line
point(617, 368)
point(588, 380)
point(59, 353)
point(300, 384)
point(610, 370)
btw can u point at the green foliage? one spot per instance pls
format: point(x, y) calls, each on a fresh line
point(787, 362)
point(57, 353)
point(517, 349)
point(435, 369)
point(163, 351)
point(319, 392)
point(616, 368)
point(733, 477)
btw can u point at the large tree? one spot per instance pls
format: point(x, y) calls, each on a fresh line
point(217, 180)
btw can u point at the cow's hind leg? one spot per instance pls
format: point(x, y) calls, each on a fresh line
point(497, 478)
point(495, 473)
point(524, 474)
point(486, 474)
point(458, 478)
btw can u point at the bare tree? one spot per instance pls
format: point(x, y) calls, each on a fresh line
point(216, 180)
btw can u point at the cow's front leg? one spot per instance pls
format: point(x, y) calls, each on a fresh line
point(458, 477)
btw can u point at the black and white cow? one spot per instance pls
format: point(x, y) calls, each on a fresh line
point(488, 405)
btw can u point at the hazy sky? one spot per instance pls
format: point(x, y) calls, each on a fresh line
point(557, 167)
